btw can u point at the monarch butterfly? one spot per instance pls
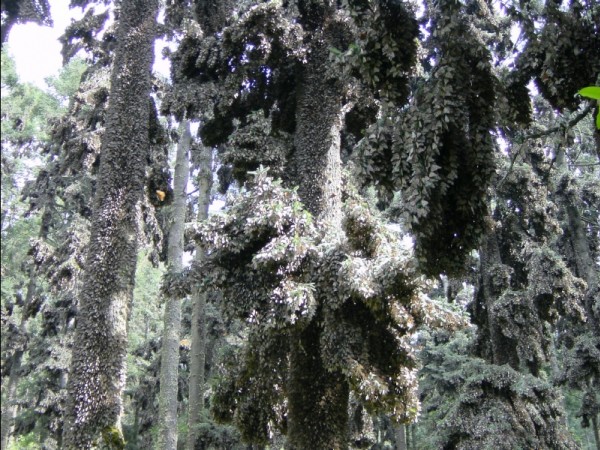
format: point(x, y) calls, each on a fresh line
point(161, 195)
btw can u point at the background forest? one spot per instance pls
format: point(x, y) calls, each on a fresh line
point(351, 224)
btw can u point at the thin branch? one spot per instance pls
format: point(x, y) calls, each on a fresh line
point(574, 121)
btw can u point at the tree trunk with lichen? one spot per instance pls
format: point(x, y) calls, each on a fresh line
point(97, 378)
point(318, 398)
point(198, 332)
point(494, 278)
point(585, 268)
point(169, 362)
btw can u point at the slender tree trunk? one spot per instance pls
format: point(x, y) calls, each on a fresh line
point(318, 398)
point(585, 266)
point(596, 432)
point(167, 420)
point(400, 436)
point(198, 348)
point(97, 377)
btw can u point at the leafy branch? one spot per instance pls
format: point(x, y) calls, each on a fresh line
point(592, 92)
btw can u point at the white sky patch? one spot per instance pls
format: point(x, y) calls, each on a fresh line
point(36, 49)
point(162, 65)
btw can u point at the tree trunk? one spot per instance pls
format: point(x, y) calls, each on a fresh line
point(318, 398)
point(400, 436)
point(98, 369)
point(585, 266)
point(492, 345)
point(584, 262)
point(9, 405)
point(169, 364)
point(596, 432)
point(198, 348)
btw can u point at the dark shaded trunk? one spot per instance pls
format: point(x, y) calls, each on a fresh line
point(97, 379)
point(318, 398)
point(494, 278)
point(595, 430)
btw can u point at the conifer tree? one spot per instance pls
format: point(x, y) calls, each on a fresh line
point(98, 364)
point(167, 422)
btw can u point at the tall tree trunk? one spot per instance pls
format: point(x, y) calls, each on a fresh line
point(98, 369)
point(318, 398)
point(198, 348)
point(584, 262)
point(493, 280)
point(9, 405)
point(169, 363)
point(596, 432)
point(585, 266)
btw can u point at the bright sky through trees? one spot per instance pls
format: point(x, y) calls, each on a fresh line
point(36, 49)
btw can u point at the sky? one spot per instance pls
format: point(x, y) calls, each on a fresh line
point(36, 49)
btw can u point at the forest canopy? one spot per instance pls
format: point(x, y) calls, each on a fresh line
point(350, 224)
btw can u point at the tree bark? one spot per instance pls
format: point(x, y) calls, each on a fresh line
point(98, 369)
point(198, 346)
point(318, 397)
point(400, 435)
point(167, 420)
point(494, 279)
point(595, 430)
point(585, 266)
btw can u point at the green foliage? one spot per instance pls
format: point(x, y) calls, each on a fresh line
point(474, 404)
point(592, 92)
point(65, 85)
point(145, 321)
point(113, 438)
point(9, 75)
point(25, 109)
point(25, 442)
point(582, 436)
